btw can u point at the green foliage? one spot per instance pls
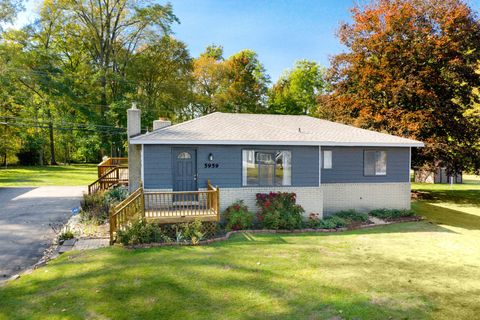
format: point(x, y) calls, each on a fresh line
point(140, 231)
point(237, 216)
point(391, 214)
point(66, 235)
point(332, 222)
point(313, 220)
point(116, 195)
point(191, 231)
point(279, 211)
point(95, 208)
point(297, 90)
point(29, 153)
point(352, 216)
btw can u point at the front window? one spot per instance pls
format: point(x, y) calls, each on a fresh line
point(375, 163)
point(266, 168)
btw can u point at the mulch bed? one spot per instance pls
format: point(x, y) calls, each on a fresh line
point(264, 231)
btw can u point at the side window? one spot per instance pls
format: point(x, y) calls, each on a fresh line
point(374, 163)
point(327, 159)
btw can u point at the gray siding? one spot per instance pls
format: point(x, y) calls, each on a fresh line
point(158, 165)
point(347, 166)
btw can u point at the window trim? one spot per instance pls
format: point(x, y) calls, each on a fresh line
point(375, 163)
point(331, 159)
point(258, 185)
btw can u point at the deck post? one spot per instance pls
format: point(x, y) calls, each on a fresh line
point(218, 203)
point(111, 218)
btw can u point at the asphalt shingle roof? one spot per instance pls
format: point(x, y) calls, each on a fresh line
point(258, 129)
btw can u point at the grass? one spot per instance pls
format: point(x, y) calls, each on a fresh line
point(71, 175)
point(421, 270)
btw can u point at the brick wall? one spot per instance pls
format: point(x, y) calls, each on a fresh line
point(365, 196)
point(310, 198)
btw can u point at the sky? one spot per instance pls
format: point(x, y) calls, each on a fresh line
point(280, 31)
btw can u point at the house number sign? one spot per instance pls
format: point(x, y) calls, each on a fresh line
point(211, 165)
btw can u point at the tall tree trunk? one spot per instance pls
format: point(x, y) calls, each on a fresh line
point(53, 162)
point(103, 109)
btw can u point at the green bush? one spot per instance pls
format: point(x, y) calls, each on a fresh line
point(332, 222)
point(352, 216)
point(140, 232)
point(94, 208)
point(191, 231)
point(391, 214)
point(313, 221)
point(278, 210)
point(66, 235)
point(237, 216)
point(116, 195)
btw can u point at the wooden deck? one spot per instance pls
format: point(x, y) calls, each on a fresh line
point(166, 207)
point(178, 216)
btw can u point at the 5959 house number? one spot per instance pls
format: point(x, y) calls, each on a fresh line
point(211, 165)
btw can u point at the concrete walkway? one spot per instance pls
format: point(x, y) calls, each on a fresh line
point(26, 216)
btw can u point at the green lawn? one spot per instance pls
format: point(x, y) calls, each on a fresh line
point(72, 175)
point(405, 271)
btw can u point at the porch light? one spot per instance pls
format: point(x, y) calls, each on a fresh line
point(210, 157)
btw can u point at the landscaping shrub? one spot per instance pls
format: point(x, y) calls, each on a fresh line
point(94, 208)
point(191, 231)
point(237, 216)
point(116, 195)
point(391, 214)
point(140, 232)
point(332, 222)
point(66, 235)
point(278, 210)
point(352, 216)
point(313, 221)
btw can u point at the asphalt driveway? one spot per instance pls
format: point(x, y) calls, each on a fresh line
point(26, 219)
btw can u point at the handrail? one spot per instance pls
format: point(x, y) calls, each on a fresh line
point(123, 212)
point(108, 179)
point(108, 163)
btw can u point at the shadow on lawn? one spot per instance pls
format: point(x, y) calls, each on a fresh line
point(196, 285)
point(446, 216)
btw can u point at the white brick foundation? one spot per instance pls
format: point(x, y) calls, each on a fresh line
point(329, 198)
point(310, 198)
point(365, 196)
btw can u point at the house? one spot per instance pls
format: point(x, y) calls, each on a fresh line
point(330, 166)
point(439, 175)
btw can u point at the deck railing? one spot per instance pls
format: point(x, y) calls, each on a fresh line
point(110, 178)
point(166, 207)
point(111, 163)
point(126, 211)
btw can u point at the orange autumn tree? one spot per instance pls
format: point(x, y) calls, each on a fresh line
point(409, 70)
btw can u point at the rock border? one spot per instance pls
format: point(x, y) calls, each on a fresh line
point(267, 231)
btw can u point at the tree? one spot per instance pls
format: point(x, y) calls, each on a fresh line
point(111, 31)
point(297, 90)
point(410, 70)
point(209, 73)
point(162, 73)
point(247, 83)
point(9, 10)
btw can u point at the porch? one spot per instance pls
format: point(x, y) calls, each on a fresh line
point(166, 207)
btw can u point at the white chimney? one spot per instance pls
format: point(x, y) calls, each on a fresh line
point(161, 123)
point(134, 151)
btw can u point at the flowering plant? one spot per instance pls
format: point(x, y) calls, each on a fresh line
point(238, 217)
point(278, 210)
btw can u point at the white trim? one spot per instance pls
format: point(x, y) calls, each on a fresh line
point(320, 166)
point(410, 163)
point(275, 143)
point(141, 166)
